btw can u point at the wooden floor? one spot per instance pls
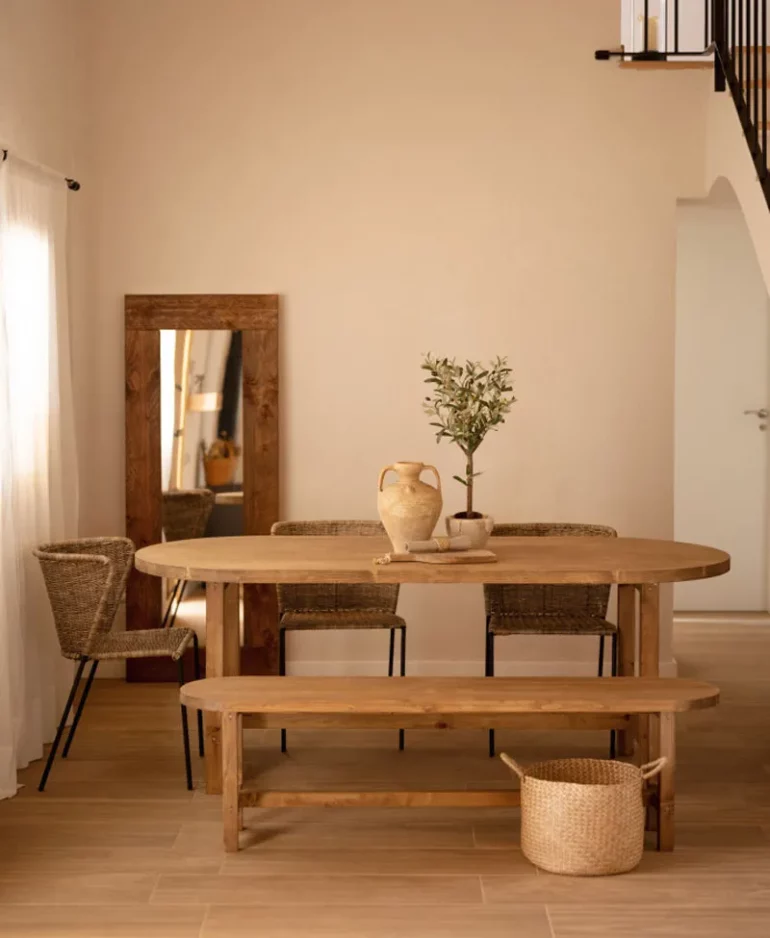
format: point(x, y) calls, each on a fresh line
point(117, 848)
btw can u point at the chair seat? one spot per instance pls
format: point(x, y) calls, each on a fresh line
point(563, 624)
point(342, 619)
point(142, 643)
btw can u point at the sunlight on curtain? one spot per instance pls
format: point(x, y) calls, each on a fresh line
point(38, 478)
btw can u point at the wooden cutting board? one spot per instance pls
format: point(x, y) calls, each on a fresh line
point(444, 557)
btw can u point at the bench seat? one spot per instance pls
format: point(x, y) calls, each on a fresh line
point(439, 703)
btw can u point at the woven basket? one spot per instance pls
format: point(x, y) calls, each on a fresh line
point(583, 817)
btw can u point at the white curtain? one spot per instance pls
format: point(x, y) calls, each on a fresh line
point(38, 472)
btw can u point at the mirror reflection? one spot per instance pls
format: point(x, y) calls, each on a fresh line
point(201, 430)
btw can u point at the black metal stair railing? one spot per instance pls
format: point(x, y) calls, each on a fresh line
point(740, 39)
point(735, 34)
point(663, 25)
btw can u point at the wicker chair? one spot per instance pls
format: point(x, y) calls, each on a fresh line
point(548, 610)
point(185, 515)
point(86, 580)
point(313, 607)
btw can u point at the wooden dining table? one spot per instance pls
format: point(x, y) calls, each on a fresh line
point(637, 566)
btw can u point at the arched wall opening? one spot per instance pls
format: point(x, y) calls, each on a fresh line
point(721, 448)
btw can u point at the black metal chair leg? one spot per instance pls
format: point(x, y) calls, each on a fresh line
point(282, 672)
point(391, 652)
point(180, 597)
point(62, 724)
point(614, 666)
point(401, 734)
point(170, 605)
point(601, 656)
point(197, 673)
point(490, 672)
point(185, 732)
point(79, 711)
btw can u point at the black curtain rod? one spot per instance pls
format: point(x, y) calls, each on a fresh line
point(72, 184)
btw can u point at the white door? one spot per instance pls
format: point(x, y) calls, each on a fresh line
point(721, 462)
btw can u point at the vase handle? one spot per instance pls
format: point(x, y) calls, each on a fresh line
point(383, 473)
point(434, 470)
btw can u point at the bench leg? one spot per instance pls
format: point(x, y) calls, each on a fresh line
point(232, 778)
point(649, 645)
point(626, 654)
point(667, 748)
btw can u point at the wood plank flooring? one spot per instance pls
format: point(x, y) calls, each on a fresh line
point(117, 848)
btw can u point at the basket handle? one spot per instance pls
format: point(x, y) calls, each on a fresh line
point(512, 764)
point(652, 768)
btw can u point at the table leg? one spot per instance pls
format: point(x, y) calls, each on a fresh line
point(626, 654)
point(232, 777)
point(667, 746)
point(649, 644)
point(222, 658)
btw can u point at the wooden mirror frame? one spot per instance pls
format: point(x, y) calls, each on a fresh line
point(256, 316)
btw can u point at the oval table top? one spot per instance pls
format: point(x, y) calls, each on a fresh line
point(309, 559)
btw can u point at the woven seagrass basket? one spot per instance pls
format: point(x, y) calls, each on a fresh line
point(583, 817)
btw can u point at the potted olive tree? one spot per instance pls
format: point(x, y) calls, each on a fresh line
point(468, 401)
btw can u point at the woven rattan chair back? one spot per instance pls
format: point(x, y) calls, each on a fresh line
point(338, 597)
point(185, 514)
point(85, 580)
point(540, 600)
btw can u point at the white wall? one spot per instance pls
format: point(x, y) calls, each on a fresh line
point(721, 369)
point(728, 157)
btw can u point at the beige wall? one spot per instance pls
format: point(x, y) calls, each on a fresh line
point(40, 55)
point(455, 176)
point(728, 157)
point(42, 118)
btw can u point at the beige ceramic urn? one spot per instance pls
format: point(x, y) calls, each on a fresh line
point(409, 508)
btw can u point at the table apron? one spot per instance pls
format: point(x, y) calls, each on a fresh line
point(444, 721)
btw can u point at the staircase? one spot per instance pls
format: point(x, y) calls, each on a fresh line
point(734, 43)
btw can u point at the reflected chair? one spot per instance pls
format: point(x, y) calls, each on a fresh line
point(85, 580)
point(317, 607)
point(184, 514)
point(533, 609)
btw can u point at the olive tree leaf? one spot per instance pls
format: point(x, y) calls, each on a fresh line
point(467, 401)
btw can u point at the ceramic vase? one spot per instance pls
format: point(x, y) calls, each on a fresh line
point(477, 529)
point(409, 508)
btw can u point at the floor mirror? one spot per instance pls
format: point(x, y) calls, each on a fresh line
point(202, 453)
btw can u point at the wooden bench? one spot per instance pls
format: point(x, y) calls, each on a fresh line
point(439, 703)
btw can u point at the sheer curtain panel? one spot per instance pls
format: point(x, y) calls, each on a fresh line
point(38, 473)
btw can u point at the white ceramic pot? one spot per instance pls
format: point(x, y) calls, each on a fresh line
point(409, 508)
point(476, 529)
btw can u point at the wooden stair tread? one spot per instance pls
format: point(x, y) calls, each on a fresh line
point(437, 695)
point(670, 66)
